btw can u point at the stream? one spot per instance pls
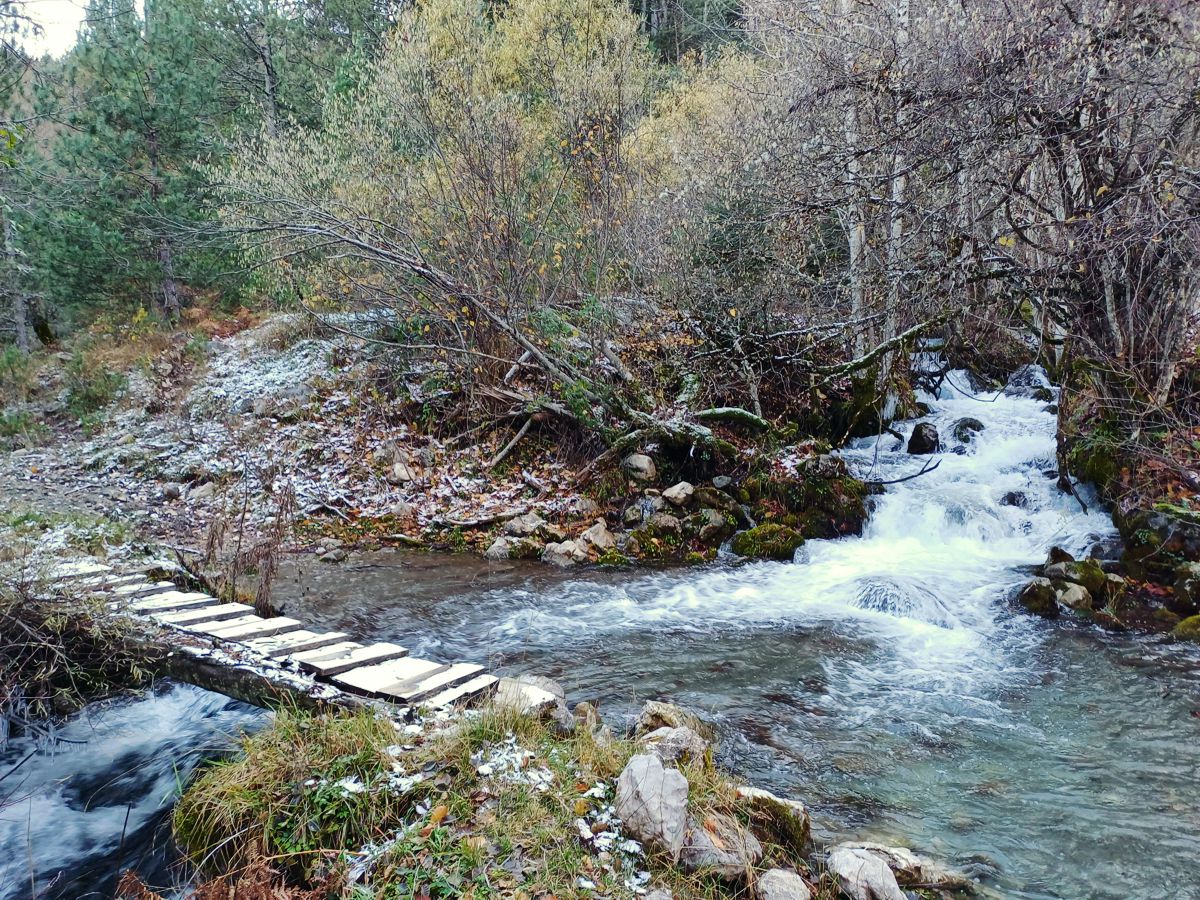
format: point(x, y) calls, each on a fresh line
point(885, 679)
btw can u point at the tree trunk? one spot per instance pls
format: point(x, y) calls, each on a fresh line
point(20, 303)
point(898, 187)
point(856, 226)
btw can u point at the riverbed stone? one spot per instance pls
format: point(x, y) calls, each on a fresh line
point(652, 803)
point(781, 884)
point(674, 744)
point(679, 494)
point(778, 820)
point(965, 429)
point(657, 714)
point(640, 467)
point(585, 507)
point(1040, 598)
point(711, 498)
point(1075, 596)
point(717, 845)
point(665, 523)
point(912, 869)
point(565, 554)
point(1058, 555)
point(862, 875)
point(924, 440)
point(505, 547)
point(1087, 572)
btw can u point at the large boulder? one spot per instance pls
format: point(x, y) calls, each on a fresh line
point(768, 542)
point(780, 884)
point(862, 875)
point(718, 845)
point(652, 803)
point(599, 538)
point(513, 548)
point(1156, 540)
point(656, 714)
point(776, 819)
point(565, 554)
point(1040, 598)
point(640, 467)
point(924, 440)
point(1087, 572)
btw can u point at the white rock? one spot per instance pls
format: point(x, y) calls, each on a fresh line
point(680, 494)
point(780, 884)
point(862, 875)
point(640, 467)
point(652, 803)
point(599, 537)
point(670, 744)
point(525, 525)
point(565, 554)
point(1075, 596)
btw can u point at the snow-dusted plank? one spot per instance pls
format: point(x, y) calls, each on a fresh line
point(205, 614)
point(108, 582)
point(259, 629)
point(385, 678)
point(434, 683)
point(172, 601)
point(295, 642)
point(481, 685)
point(145, 589)
point(210, 627)
point(332, 661)
point(75, 569)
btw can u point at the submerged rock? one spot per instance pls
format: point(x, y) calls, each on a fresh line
point(965, 428)
point(652, 803)
point(1018, 499)
point(777, 542)
point(1040, 598)
point(924, 440)
point(719, 846)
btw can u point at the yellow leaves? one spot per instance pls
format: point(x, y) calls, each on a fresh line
point(1006, 241)
point(439, 814)
point(733, 312)
point(582, 806)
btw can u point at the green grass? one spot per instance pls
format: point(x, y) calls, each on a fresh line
point(455, 833)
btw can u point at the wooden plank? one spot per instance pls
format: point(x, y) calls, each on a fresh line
point(209, 626)
point(257, 629)
point(107, 582)
point(145, 589)
point(332, 661)
point(172, 601)
point(435, 683)
point(207, 614)
point(480, 685)
point(384, 678)
point(295, 642)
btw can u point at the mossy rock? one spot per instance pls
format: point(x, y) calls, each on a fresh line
point(1040, 598)
point(1086, 572)
point(768, 542)
point(1187, 630)
point(824, 501)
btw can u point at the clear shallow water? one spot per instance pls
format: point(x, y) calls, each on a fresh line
point(76, 815)
point(886, 679)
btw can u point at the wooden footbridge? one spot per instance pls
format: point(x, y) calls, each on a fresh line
point(277, 649)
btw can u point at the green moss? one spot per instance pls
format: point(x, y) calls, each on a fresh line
point(768, 542)
point(1187, 630)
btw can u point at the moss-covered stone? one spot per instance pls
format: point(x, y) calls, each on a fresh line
point(1187, 630)
point(1040, 598)
point(768, 542)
